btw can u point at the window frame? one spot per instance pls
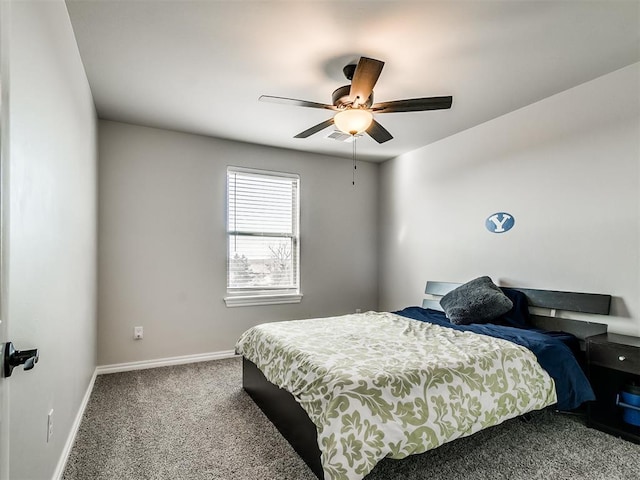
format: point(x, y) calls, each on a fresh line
point(259, 295)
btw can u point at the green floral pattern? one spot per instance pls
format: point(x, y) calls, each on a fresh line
point(381, 385)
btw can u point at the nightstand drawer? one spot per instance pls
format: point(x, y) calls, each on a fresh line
point(618, 357)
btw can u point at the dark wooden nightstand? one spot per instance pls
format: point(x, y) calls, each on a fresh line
point(613, 361)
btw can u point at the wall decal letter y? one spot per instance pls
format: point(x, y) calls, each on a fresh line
point(500, 222)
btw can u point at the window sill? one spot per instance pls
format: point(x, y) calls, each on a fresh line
point(256, 300)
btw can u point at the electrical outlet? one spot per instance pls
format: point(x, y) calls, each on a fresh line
point(50, 425)
point(358, 310)
point(137, 333)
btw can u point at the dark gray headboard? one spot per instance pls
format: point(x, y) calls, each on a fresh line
point(590, 303)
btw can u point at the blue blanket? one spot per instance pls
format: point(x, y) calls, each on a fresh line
point(572, 386)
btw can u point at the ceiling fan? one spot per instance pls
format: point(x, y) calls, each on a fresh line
point(354, 103)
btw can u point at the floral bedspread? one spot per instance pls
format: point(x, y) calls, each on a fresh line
point(380, 385)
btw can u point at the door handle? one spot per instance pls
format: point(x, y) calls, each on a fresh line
point(13, 358)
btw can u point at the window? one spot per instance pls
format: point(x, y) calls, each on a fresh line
point(262, 237)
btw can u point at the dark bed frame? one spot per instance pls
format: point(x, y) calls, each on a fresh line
point(295, 426)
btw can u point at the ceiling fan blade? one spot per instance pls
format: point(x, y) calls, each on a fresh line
point(315, 129)
point(378, 132)
point(413, 105)
point(294, 102)
point(364, 78)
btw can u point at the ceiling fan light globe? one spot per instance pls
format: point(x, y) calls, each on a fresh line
point(353, 121)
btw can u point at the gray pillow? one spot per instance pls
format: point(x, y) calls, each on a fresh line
point(477, 301)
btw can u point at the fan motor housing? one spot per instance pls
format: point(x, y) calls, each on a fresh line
point(349, 70)
point(340, 98)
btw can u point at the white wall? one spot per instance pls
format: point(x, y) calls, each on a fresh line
point(50, 218)
point(566, 167)
point(162, 241)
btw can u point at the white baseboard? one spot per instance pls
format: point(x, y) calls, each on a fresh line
point(71, 438)
point(164, 362)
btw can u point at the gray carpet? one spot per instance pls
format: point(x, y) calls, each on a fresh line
point(195, 422)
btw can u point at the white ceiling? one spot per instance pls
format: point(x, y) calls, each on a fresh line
point(200, 66)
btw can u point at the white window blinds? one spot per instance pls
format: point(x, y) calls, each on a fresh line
point(262, 231)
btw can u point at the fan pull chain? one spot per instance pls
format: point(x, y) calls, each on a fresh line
point(353, 181)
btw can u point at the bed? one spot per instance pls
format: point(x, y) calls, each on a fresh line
point(348, 391)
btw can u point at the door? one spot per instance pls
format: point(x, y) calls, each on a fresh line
point(4, 116)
